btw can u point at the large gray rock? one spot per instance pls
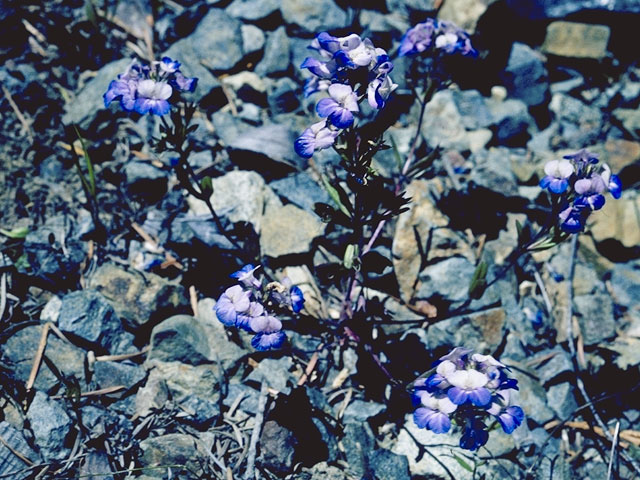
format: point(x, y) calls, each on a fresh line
point(525, 75)
point(448, 279)
point(493, 170)
point(110, 374)
point(87, 315)
point(579, 124)
point(9, 462)
point(277, 53)
point(216, 44)
point(561, 8)
point(177, 449)
point(314, 16)
point(561, 400)
point(88, 101)
point(252, 9)
point(21, 347)
point(51, 427)
point(595, 317)
point(270, 144)
point(301, 190)
point(139, 298)
point(289, 230)
point(181, 338)
point(579, 40)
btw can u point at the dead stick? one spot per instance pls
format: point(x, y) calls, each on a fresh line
point(16, 453)
point(37, 360)
point(255, 434)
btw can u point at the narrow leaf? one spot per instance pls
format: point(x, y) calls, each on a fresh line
point(462, 463)
point(17, 233)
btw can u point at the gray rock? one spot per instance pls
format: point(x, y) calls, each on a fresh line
point(512, 121)
point(227, 126)
point(408, 6)
point(110, 374)
point(201, 410)
point(596, 317)
point(579, 124)
point(578, 40)
point(323, 471)
point(9, 462)
point(558, 364)
point(87, 315)
point(284, 96)
point(221, 349)
point(532, 399)
point(47, 260)
point(358, 442)
point(145, 179)
point(373, 21)
point(88, 101)
point(219, 52)
point(625, 285)
point(561, 400)
point(139, 298)
point(277, 53)
point(438, 445)
point(288, 230)
point(269, 146)
point(561, 8)
point(481, 331)
point(315, 16)
point(250, 396)
point(473, 108)
point(96, 463)
point(252, 38)
point(493, 170)
point(177, 382)
point(252, 9)
point(275, 373)
point(51, 427)
point(177, 449)
point(22, 345)
point(448, 279)
point(525, 75)
point(181, 338)
point(360, 411)
point(240, 196)
point(187, 227)
point(630, 118)
point(51, 311)
point(387, 464)
point(301, 190)
point(277, 446)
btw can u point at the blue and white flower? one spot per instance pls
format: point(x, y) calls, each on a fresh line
point(317, 137)
point(557, 175)
point(340, 107)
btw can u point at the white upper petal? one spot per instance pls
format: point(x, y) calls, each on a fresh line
point(468, 379)
point(446, 368)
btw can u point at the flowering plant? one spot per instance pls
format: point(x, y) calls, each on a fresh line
point(252, 306)
point(467, 389)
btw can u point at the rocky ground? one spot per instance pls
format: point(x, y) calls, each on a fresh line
point(112, 362)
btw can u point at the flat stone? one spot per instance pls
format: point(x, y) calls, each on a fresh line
point(464, 13)
point(110, 374)
point(314, 16)
point(277, 446)
point(275, 373)
point(271, 144)
point(301, 190)
point(596, 320)
point(277, 53)
point(139, 298)
point(21, 347)
point(630, 118)
point(176, 449)
point(525, 75)
point(578, 40)
point(51, 427)
point(252, 9)
point(88, 101)
point(481, 331)
point(201, 50)
point(9, 462)
point(288, 230)
point(252, 38)
point(180, 338)
point(617, 220)
point(87, 315)
point(561, 400)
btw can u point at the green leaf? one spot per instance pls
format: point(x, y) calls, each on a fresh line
point(17, 233)
point(350, 256)
point(91, 183)
point(335, 196)
point(478, 281)
point(206, 186)
point(396, 153)
point(462, 463)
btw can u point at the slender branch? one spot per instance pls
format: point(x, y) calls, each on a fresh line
point(255, 434)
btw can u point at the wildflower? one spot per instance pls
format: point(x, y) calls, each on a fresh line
point(436, 35)
point(379, 90)
point(243, 319)
point(268, 332)
point(297, 299)
point(152, 97)
point(246, 277)
point(467, 389)
point(338, 108)
point(317, 137)
point(233, 300)
point(149, 89)
point(558, 172)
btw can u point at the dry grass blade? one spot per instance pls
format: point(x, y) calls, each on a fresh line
point(15, 452)
point(310, 366)
point(26, 124)
point(37, 360)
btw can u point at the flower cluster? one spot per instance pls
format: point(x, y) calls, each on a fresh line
point(435, 36)
point(467, 389)
point(581, 183)
point(149, 89)
point(243, 306)
point(349, 69)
